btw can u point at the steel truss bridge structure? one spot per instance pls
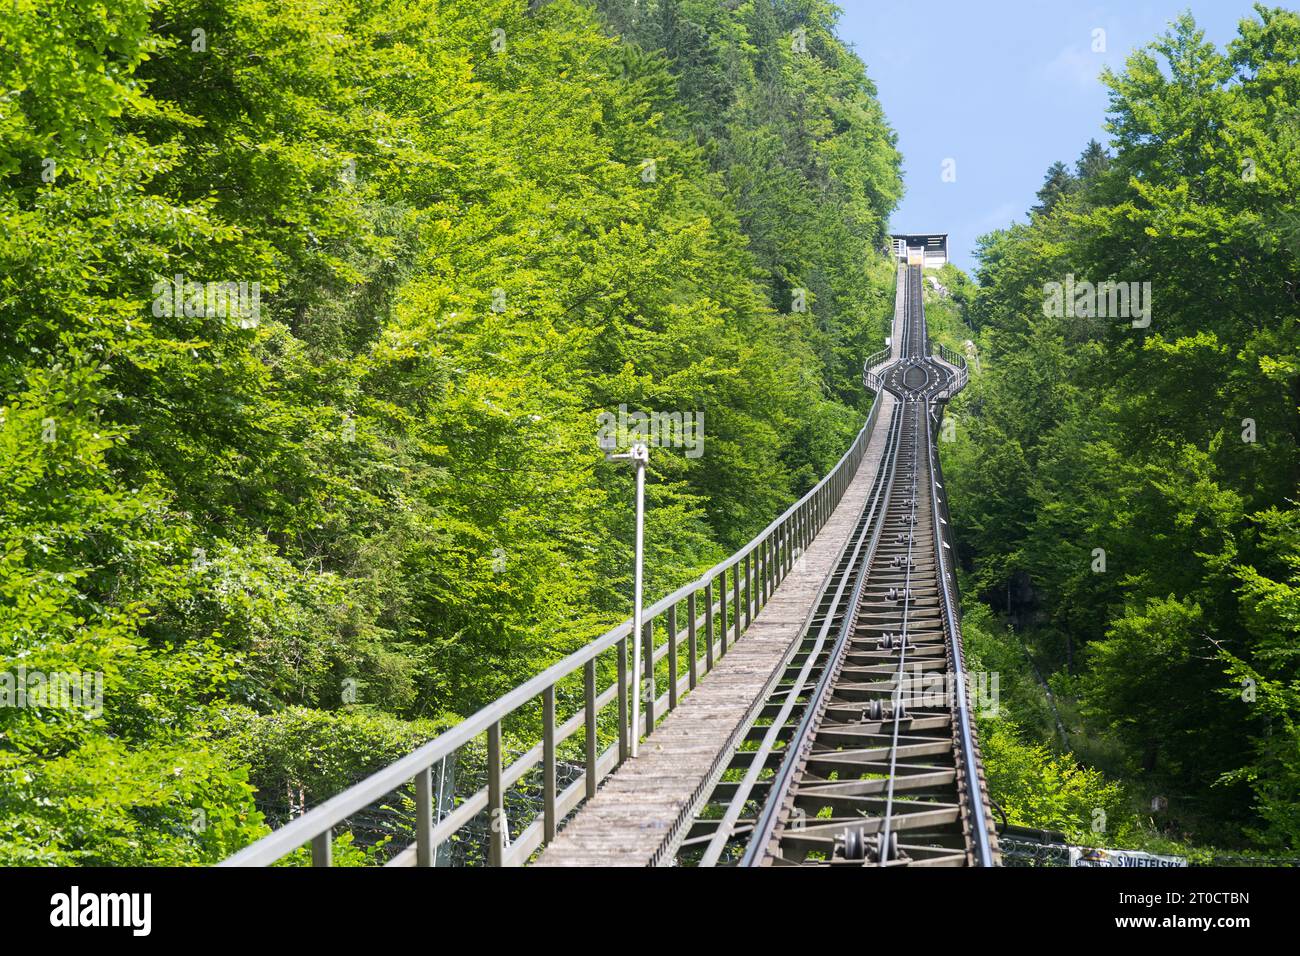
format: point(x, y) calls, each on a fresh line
point(805, 702)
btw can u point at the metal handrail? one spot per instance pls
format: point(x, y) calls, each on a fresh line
point(872, 367)
point(960, 380)
point(756, 569)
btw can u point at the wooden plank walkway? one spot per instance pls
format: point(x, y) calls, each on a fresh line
point(636, 808)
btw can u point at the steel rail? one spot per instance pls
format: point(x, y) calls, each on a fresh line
point(873, 525)
point(765, 561)
point(883, 844)
point(974, 791)
point(770, 831)
point(765, 826)
point(979, 829)
point(883, 853)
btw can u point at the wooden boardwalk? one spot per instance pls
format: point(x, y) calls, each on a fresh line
point(636, 809)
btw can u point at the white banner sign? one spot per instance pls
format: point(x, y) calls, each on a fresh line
point(1088, 856)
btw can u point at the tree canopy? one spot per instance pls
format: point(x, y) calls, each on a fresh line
point(307, 312)
point(1126, 485)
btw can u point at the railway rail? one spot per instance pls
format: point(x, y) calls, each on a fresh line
point(864, 751)
point(853, 745)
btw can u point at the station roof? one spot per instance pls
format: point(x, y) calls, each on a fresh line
point(931, 240)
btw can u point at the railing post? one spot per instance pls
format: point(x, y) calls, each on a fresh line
point(672, 656)
point(648, 639)
point(623, 741)
point(424, 817)
point(789, 539)
point(322, 848)
point(589, 707)
point(765, 578)
point(775, 557)
point(768, 582)
point(735, 594)
point(496, 807)
point(770, 563)
point(749, 590)
point(548, 764)
point(708, 626)
point(783, 545)
point(691, 636)
point(722, 613)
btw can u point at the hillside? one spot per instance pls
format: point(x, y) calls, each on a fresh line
point(308, 312)
point(1124, 482)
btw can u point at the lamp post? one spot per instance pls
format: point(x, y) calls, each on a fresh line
point(639, 455)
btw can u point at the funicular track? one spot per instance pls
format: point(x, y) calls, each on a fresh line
point(863, 751)
point(800, 703)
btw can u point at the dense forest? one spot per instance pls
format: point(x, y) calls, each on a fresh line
point(307, 313)
point(1124, 484)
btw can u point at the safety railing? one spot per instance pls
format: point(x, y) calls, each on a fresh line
point(874, 367)
point(960, 378)
point(574, 709)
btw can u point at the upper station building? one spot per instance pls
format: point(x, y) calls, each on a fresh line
point(928, 249)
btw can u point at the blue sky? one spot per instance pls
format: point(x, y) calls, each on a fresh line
point(1002, 88)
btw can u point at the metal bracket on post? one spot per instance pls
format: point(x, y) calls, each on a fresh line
point(639, 455)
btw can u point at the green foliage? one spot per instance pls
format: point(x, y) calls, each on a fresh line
point(993, 649)
point(1271, 609)
point(105, 803)
point(791, 121)
point(1170, 447)
point(1057, 184)
point(300, 751)
point(1036, 788)
point(386, 481)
